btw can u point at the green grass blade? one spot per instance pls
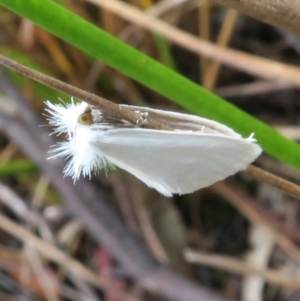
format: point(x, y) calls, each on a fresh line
point(17, 168)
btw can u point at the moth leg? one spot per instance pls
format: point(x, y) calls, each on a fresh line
point(142, 119)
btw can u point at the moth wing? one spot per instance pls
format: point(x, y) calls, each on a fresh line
point(177, 161)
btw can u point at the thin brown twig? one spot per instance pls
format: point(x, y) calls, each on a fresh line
point(266, 177)
point(112, 108)
point(97, 101)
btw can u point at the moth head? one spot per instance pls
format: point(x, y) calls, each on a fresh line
point(80, 115)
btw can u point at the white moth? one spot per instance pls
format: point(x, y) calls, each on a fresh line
point(196, 153)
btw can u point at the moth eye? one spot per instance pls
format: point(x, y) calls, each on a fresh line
point(85, 118)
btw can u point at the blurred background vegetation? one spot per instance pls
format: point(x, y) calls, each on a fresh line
point(238, 238)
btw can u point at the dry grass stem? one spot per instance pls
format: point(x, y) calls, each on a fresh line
point(204, 33)
point(258, 87)
point(244, 204)
point(251, 64)
point(19, 207)
point(54, 254)
point(233, 265)
point(223, 39)
point(283, 14)
point(48, 284)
